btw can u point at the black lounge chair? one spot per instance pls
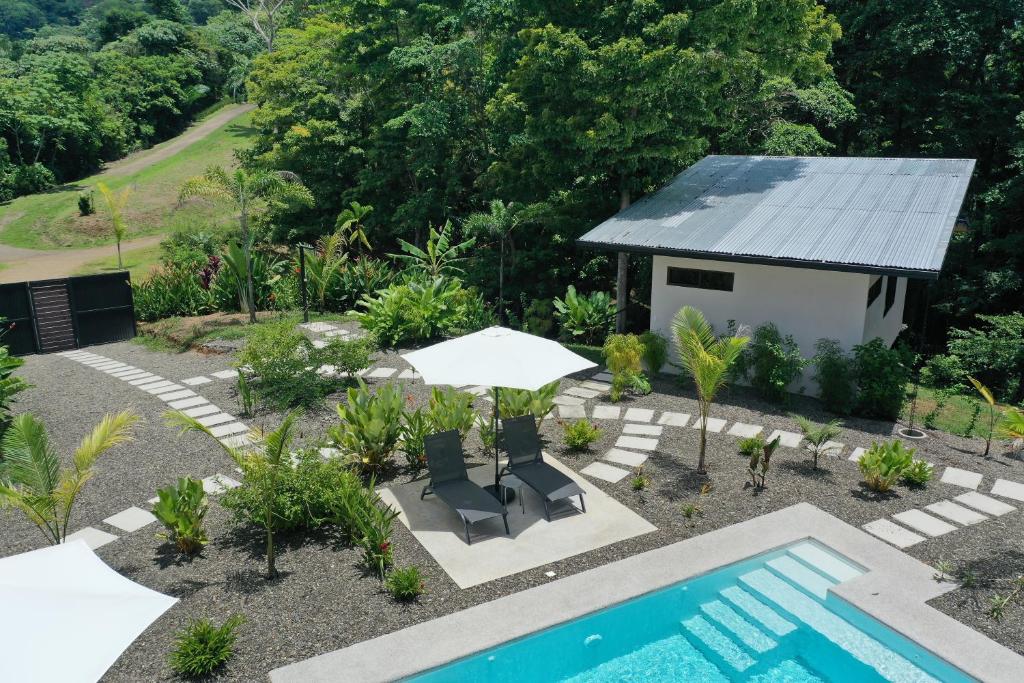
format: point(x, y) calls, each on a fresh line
point(526, 461)
point(450, 482)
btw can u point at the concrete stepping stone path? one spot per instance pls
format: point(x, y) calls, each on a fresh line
point(745, 430)
point(602, 387)
point(980, 501)
point(148, 378)
point(959, 477)
point(215, 419)
point(627, 458)
point(408, 374)
point(857, 452)
point(603, 471)
point(671, 419)
point(787, 439)
point(225, 374)
point(638, 415)
point(607, 412)
point(602, 377)
point(199, 411)
point(582, 392)
point(955, 513)
point(1008, 489)
point(564, 400)
point(833, 449)
point(218, 483)
point(318, 326)
point(175, 395)
point(638, 442)
point(642, 429)
point(94, 538)
point(131, 519)
point(382, 373)
point(572, 412)
point(892, 533)
point(196, 381)
point(159, 384)
point(923, 522)
point(188, 402)
point(223, 430)
point(715, 424)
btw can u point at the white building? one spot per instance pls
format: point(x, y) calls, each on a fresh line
point(822, 247)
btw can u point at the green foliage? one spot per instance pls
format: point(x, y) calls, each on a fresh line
point(371, 425)
point(171, 291)
point(993, 353)
point(451, 409)
point(281, 363)
point(884, 464)
point(10, 386)
point(750, 445)
point(86, 203)
point(818, 436)
point(538, 317)
point(416, 426)
point(655, 351)
point(182, 509)
point(580, 434)
point(623, 354)
point(1012, 426)
point(773, 362)
point(918, 473)
point(944, 371)
point(370, 523)
point(639, 481)
point(440, 256)
point(834, 374)
point(760, 462)
point(201, 648)
point(405, 584)
point(882, 375)
point(346, 355)
point(246, 395)
point(584, 318)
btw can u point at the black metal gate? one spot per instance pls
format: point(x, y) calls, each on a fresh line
point(55, 315)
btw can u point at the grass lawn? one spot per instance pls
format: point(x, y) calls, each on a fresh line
point(964, 415)
point(51, 220)
point(138, 262)
point(175, 335)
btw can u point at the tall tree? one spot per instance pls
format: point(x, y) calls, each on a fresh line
point(264, 15)
point(498, 225)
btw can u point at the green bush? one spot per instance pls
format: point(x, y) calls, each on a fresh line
point(881, 374)
point(182, 509)
point(171, 291)
point(346, 355)
point(368, 523)
point(201, 648)
point(405, 584)
point(918, 473)
point(371, 425)
point(580, 434)
point(623, 354)
point(451, 409)
point(884, 464)
point(86, 203)
point(280, 363)
point(835, 377)
point(585, 319)
point(944, 371)
point(229, 289)
point(538, 317)
point(750, 445)
point(655, 351)
point(773, 362)
point(416, 426)
point(10, 386)
point(517, 402)
point(994, 354)
point(423, 310)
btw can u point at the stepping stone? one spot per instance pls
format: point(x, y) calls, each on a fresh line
point(789, 439)
point(596, 386)
point(125, 371)
point(223, 430)
point(833, 449)
point(318, 326)
point(956, 513)
point(564, 400)
point(138, 374)
point(638, 442)
point(1008, 489)
point(188, 402)
point(925, 523)
point(979, 501)
point(238, 441)
point(959, 477)
point(225, 374)
point(715, 424)
point(131, 519)
point(857, 452)
point(408, 373)
point(600, 470)
point(477, 391)
point(155, 385)
point(606, 412)
point(208, 409)
point(382, 373)
point(638, 415)
point(572, 412)
point(892, 533)
point(745, 430)
point(583, 392)
point(627, 458)
point(94, 538)
point(215, 419)
point(121, 370)
point(196, 381)
point(336, 333)
point(327, 452)
point(362, 372)
point(319, 344)
point(175, 395)
point(218, 483)
point(146, 379)
point(172, 387)
point(109, 366)
point(646, 430)
point(602, 377)
point(674, 419)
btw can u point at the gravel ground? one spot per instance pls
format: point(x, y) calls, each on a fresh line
point(324, 600)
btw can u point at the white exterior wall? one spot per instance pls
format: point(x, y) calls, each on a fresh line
point(877, 323)
point(806, 303)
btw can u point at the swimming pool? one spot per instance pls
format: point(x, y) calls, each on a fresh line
point(769, 619)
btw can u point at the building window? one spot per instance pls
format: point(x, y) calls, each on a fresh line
point(700, 279)
point(890, 293)
point(874, 290)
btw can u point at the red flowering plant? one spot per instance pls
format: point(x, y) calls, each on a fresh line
point(374, 521)
point(209, 271)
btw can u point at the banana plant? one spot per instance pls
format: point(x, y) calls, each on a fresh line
point(440, 256)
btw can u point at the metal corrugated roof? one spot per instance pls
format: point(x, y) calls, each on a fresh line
point(839, 213)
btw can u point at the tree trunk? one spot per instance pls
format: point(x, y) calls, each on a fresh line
point(247, 255)
point(703, 417)
point(621, 276)
point(119, 264)
point(271, 568)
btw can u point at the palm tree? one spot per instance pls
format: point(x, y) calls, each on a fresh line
point(115, 205)
point(350, 224)
point(1012, 426)
point(31, 478)
point(707, 358)
point(818, 435)
point(260, 467)
point(990, 399)
point(497, 224)
point(245, 190)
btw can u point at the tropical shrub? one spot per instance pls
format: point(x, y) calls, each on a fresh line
point(368, 523)
point(86, 203)
point(182, 509)
point(623, 354)
point(229, 288)
point(405, 584)
point(439, 257)
point(171, 291)
point(580, 434)
point(201, 648)
point(993, 353)
point(817, 435)
point(585, 318)
point(282, 365)
point(944, 371)
point(760, 461)
point(884, 464)
point(750, 445)
point(918, 473)
point(517, 402)
point(835, 377)
point(359, 278)
point(538, 317)
point(416, 426)
point(1012, 426)
point(423, 310)
point(772, 362)
point(882, 375)
point(451, 409)
point(655, 351)
point(246, 395)
point(371, 425)
point(10, 386)
point(346, 355)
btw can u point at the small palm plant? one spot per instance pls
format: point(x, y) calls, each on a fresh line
point(993, 413)
point(498, 225)
point(1012, 426)
point(115, 205)
point(707, 358)
point(31, 477)
point(350, 225)
point(818, 436)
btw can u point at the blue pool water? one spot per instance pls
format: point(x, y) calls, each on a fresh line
point(769, 619)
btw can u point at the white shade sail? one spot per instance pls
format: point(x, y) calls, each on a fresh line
point(67, 616)
point(496, 357)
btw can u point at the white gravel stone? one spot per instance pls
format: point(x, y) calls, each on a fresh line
point(600, 470)
point(959, 477)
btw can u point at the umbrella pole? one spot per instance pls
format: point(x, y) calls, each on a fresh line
point(497, 471)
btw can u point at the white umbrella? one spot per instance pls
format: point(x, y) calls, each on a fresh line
point(67, 616)
point(496, 357)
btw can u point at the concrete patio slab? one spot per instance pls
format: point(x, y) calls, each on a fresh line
point(923, 522)
point(196, 381)
point(223, 430)
point(715, 424)
point(604, 472)
point(533, 541)
point(225, 374)
point(638, 415)
point(642, 429)
point(671, 419)
point(199, 411)
point(980, 501)
point(638, 442)
point(564, 400)
point(744, 430)
point(955, 513)
point(788, 439)
point(892, 533)
point(959, 477)
point(572, 412)
point(1008, 489)
point(318, 326)
point(607, 412)
point(582, 392)
point(94, 538)
point(627, 458)
point(131, 519)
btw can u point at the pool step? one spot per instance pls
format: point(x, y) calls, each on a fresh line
point(706, 636)
point(759, 611)
point(750, 635)
point(892, 666)
point(801, 575)
point(825, 562)
point(789, 671)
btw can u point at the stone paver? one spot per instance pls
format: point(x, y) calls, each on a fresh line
point(94, 538)
point(572, 412)
point(326, 452)
point(627, 458)
point(564, 400)
point(959, 477)
point(923, 522)
point(600, 470)
point(956, 513)
point(596, 386)
point(319, 344)
point(145, 380)
point(125, 371)
point(225, 374)
point(638, 442)
point(715, 424)
point(582, 392)
point(156, 384)
point(833, 449)
point(744, 430)
point(196, 381)
point(382, 373)
point(602, 377)
point(318, 326)
point(188, 403)
point(215, 419)
point(175, 395)
point(892, 533)
point(166, 390)
point(980, 501)
point(223, 430)
point(789, 439)
point(138, 374)
point(336, 333)
point(1008, 489)
point(857, 452)
point(674, 419)
point(237, 441)
point(607, 412)
point(642, 429)
point(408, 373)
point(480, 391)
point(218, 483)
point(638, 415)
point(208, 409)
point(131, 519)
